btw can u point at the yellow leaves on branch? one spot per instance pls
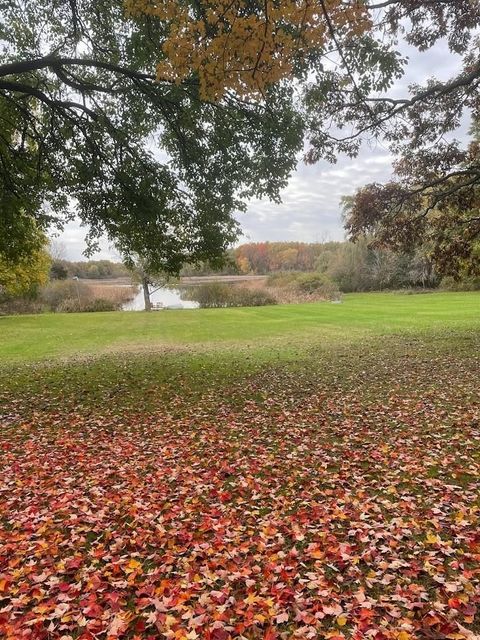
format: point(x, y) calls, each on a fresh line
point(243, 45)
point(26, 275)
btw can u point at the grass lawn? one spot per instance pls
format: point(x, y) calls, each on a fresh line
point(307, 471)
point(29, 338)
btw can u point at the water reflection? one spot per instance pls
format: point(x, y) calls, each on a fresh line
point(170, 298)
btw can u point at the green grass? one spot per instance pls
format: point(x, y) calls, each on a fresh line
point(36, 338)
point(138, 361)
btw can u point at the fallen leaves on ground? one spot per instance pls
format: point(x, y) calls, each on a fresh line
point(327, 515)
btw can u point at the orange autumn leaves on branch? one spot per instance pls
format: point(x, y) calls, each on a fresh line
point(246, 46)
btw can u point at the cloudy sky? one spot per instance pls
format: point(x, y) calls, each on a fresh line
point(310, 209)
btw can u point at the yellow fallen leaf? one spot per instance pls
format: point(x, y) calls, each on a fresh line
point(432, 538)
point(342, 621)
point(170, 621)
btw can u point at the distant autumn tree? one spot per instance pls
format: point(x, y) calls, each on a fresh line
point(268, 257)
point(426, 207)
point(244, 265)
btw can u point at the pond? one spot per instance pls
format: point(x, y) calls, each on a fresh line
point(170, 298)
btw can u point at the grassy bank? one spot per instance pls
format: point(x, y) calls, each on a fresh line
point(33, 338)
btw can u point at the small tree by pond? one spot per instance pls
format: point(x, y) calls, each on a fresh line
point(149, 279)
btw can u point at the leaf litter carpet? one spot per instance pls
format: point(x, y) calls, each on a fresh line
point(331, 513)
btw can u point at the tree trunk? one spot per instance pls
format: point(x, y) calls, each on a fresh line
point(146, 295)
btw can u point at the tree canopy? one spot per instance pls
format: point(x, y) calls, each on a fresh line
point(156, 121)
point(347, 54)
point(426, 207)
point(345, 59)
point(246, 46)
point(87, 129)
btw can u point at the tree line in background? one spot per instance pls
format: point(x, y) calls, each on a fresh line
point(310, 271)
point(351, 266)
point(89, 270)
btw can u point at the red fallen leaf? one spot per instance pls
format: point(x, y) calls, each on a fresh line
point(366, 614)
point(95, 582)
point(140, 626)
point(455, 603)
point(95, 626)
point(219, 634)
point(93, 611)
point(270, 634)
point(218, 596)
point(112, 597)
point(74, 563)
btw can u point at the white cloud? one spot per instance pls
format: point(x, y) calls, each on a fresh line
point(72, 243)
point(310, 208)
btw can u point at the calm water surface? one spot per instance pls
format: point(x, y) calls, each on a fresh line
point(169, 298)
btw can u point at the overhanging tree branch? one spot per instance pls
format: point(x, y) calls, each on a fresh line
point(24, 66)
point(26, 89)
